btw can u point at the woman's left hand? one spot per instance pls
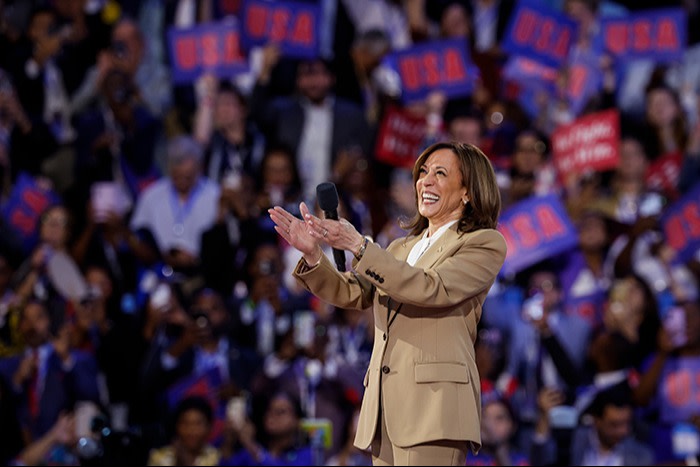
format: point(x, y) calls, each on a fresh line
point(339, 234)
point(296, 232)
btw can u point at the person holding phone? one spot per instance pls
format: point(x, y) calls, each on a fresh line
point(426, 291)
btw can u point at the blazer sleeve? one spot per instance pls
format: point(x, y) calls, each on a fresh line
point(470, 268)
point(346, 290)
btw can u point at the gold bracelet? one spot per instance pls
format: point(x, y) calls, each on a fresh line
point(363, 247)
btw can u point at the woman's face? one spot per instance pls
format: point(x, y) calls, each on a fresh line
point(661, 107)
point(54, 227)
point(193, 430)
point(496, 424)
point(280, 417)
point(228, 110)
point(455, 22)
point(440, 188)
point(529, 154)
point(633, 161)
point(278, 170)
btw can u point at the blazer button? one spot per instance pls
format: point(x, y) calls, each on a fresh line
point(381, 280)
point(385, 369)
point(368, 272)
point(384, 336)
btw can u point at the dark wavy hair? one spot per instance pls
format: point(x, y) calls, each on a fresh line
point(478, 176)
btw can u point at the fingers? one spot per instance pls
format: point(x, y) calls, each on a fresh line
point(283, 220)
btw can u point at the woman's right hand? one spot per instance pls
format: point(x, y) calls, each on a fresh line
point(296, 232)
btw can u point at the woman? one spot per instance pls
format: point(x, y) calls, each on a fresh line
point(193, 418)
point(426, 292)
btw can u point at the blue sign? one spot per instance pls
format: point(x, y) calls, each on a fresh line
point(659, 35)
point(681, 224)
point(294, 27)
point(535, 229)
point(540, 33)
point(22, 209)
point(213, 47)
point(440, 65)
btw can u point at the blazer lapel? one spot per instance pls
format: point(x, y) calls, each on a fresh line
point(404, 248)
point(435, 251)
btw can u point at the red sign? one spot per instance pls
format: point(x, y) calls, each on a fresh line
point(662, 175)
point(591, 142)
point(400, 138)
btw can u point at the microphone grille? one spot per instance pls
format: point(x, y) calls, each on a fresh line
point(327, 196)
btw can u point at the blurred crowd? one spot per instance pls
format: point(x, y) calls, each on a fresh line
point(147, 308)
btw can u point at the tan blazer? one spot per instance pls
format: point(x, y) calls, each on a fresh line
point(422, 370)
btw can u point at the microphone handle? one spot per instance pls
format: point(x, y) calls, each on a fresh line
point(338, 255)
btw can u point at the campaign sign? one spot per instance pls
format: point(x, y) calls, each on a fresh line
point(659, 35)
point(24, 206)
point(584, 80)
point(591, 142)
point(212, 47)
point(679, 389)
point(400, 137)
point(535, 229)
point(440, 65)
point(540, 33)
point(681, 224)
point(663, 174)
point(294, 27)
point(527, 71)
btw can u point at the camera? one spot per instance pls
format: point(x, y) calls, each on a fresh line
point(200, 318)
point(105, 446)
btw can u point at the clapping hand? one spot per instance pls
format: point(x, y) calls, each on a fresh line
point(296, 232)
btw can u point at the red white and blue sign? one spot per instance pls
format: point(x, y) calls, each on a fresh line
point(540, 33)
point(22, 209)
point(212, 47)
point(440, 65)
point(293, 26)
point(660, 35)
point(681, 225)
point(535, 229)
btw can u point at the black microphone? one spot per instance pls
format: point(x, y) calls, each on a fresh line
point(327, 197)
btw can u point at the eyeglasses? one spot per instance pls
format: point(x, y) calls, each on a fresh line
point(544, 287)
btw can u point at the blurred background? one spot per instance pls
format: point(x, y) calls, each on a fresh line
point(147, 309)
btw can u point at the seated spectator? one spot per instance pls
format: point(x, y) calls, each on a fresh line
point(190, 427)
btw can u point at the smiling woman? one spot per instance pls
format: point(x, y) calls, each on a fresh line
point(426, 292)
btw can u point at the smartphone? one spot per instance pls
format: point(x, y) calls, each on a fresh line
point(160, 298)
point(237, 410)
point(675, 323)
point(533, 308)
